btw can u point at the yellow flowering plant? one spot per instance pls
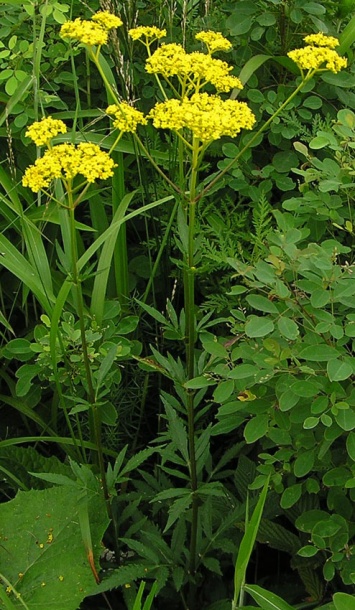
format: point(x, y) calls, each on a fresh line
point(193, 104)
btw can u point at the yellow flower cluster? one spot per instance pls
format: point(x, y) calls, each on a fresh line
point(168, 60)
point(94, 32)
point(41, 132)
point(322, 40)
point(319, 52)
point(208, 117)
point(146, 32)
point(107, 20)
point(67, 161)
point(126, 117)
point(209, 70)
point(214, 41)
point(197, 68)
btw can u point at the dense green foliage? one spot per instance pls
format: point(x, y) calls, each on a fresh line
point(177, 411)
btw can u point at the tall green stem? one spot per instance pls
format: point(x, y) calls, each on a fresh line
point(94, 415)
point(189, 296)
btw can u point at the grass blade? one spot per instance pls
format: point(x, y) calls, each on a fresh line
point(247, 544)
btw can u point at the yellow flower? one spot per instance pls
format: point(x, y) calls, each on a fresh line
point(214, 41)
point(209, 70)
point(66, 161)
point(107, 20)
point(87, 32)
point(126, 117)
point(168, 60)
point(41, 132)
point(313, 58)
point(208, 117)
point(322, 40)
point(146, 31)
point(197, 68)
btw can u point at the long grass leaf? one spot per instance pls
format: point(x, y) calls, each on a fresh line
point(113, 228)
point(347, 37)
point(104, 265)
point(16, 97)
point(59, 440)
point(16, 263)
point(266, 599)
point(247, 544)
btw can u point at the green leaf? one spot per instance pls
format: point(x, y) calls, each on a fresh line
point(258, 327)
point(256, 428)
point(318, 353)
point(338, 370)
point(343, 601)
point(199, 382)
point(288, 328)
point(247, 543)
point(223, 391)
point(336, 477)
point(242, 371)
point(308, 551)
point(345, 418)
point(291, 495)
point(304, 463)
point(178, 507)
point(177, 431)
point(47, 547)
point(350, 445)
point(266, 599)
point(261, 303)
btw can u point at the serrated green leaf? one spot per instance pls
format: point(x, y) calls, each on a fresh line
point(177, 509)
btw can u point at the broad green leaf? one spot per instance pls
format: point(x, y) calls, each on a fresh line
point(338, 370)
point(308, 551)
point(256, 428)
point(327, 528)
point(288, 328)
point(318, 353)
point(350, 445)
point(309, 519)
point(345, 418)
point(291, 495)
point(304, 388)
point(344, 601)
point(336, 477)
point(223, 391)
point(199, 382)
point(242, 371)
point(304, 463)
point(40, 533)
point(266, 599)
point(261, 303)
point(258, 327)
